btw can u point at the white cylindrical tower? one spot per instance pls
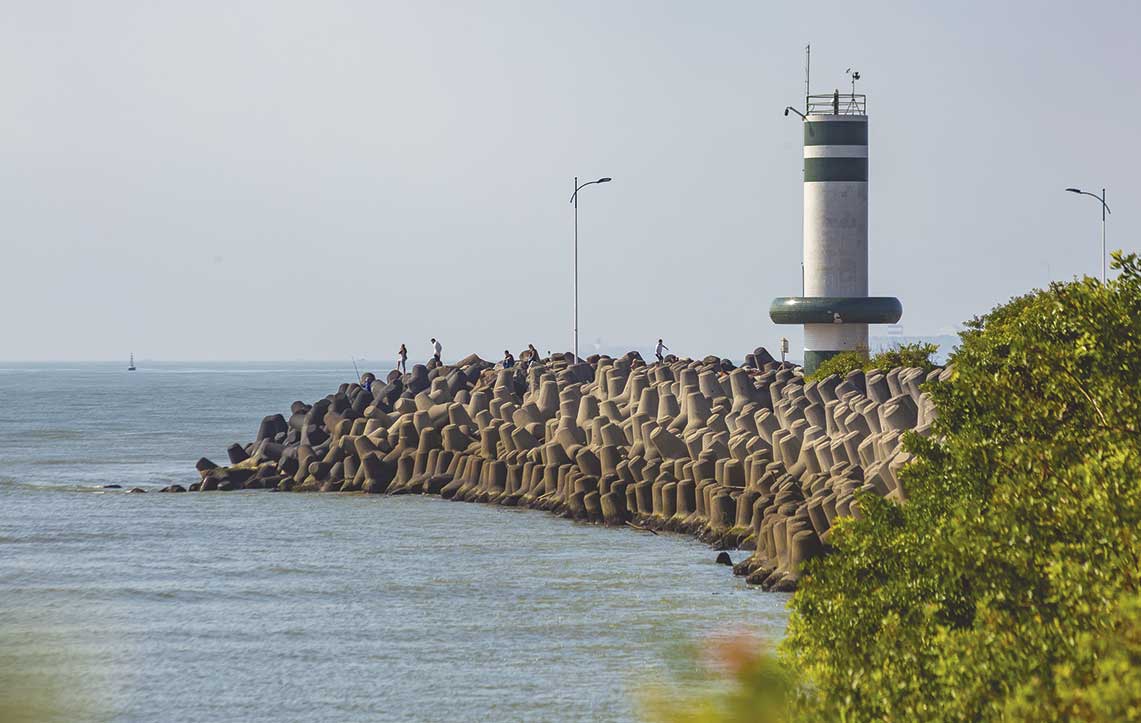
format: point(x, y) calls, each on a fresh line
point(835, 308)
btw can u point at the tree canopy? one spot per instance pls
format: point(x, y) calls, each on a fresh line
point(1007, 586)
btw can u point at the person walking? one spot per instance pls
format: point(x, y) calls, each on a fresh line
point(402, 363)
point(659, 349)
point(508, 360)
point(437, 350)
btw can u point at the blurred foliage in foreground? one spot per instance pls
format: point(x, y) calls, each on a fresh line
point(735, 679)
point(1006, 588)
point(38, 681)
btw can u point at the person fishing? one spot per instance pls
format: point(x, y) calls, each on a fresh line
point(508, 360)
point(437, 350)
point(402, 359)
point(659, 349)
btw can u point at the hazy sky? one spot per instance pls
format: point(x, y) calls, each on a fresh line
point(285, 180)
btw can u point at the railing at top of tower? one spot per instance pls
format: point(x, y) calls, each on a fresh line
point(836, 104)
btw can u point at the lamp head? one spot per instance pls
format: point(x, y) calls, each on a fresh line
point(603, 180)
point(1074, 190)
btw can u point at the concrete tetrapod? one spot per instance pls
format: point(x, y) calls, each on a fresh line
point(750, 456)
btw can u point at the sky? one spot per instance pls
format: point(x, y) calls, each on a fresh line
point(319, 180)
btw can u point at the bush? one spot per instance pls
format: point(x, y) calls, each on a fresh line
point(839, 365)
point(1007, 587)
point(917, 354)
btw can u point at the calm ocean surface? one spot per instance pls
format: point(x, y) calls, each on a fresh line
point(254, 606)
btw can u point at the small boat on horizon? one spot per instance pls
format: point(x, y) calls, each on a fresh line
point(132, 367)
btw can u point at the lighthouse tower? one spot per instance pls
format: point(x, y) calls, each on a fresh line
point(834, 307)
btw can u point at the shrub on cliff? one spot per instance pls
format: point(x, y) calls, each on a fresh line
point(1007, 586)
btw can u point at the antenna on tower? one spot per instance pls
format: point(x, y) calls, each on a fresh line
point(807, 68)
point(852, 105)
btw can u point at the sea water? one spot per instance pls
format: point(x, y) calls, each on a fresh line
point(259, 606)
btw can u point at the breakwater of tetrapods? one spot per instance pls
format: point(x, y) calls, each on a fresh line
point(747, 457)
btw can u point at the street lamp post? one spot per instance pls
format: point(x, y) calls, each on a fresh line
point(574, 200)
point(1104, 210)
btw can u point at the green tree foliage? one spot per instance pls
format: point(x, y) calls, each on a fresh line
point(1006, 588)
point(917, 354)
point(839, 365)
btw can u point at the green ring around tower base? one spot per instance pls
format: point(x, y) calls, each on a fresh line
point(835, 310)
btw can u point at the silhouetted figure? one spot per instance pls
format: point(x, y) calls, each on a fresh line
point(532, 356)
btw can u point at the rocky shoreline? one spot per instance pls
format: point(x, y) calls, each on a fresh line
point(745, 457)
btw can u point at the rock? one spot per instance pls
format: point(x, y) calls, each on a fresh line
point(378, 473)
point(136, 490)
point(236, 453)
point(271, 426)
point(763, 357)
point(748, 457)
point(174, 488)
point(724, 559)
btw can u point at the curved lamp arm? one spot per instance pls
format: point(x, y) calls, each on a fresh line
point(601, 180)
point(1091, 195)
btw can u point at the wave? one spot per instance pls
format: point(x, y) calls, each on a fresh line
point(59, 537)
point(52, 434)
point(89, 488)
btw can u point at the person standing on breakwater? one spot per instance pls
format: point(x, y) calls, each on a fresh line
point(437, 349)
point(508, 360)
point(402, 359)
point(659, 349)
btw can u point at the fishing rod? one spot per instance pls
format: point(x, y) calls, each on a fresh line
point(358, 371)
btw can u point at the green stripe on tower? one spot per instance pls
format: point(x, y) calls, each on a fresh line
point(836, 133)
point(835, 169)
